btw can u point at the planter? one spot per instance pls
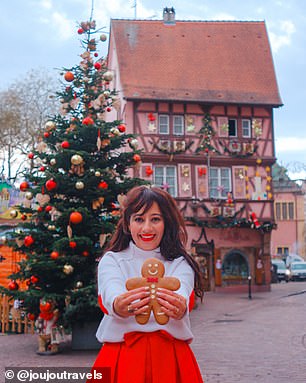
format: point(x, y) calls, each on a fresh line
point(84, 336)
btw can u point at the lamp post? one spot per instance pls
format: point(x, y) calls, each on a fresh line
point(250, 285)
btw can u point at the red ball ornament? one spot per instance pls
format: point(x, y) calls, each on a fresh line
point(103, 185)
point(24, 186)
point(48, 208)
point(97, 66)
point(72, 244)
point(69, 76)
point(28, 241)
point(34, 279)
point(42, 168)
point(96, 54)
point(108, 109)
point(51, 185)
point(85, 253)
point(40, 209)
point(80, 31)
point(65, 144)
point(136, 158)
point(76, 217)
point(24, 217)
point(31, 316)
point(88, 121)
point(46, 134)
point(13, 286)
point(54, 254)
point(31, 156)
point(121, 128)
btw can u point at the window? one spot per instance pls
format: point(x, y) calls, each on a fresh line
point(232, 128)
point(246, 128)
point(219, 182)
point(283, 250)
point(178, 125)
point(163, 123)
point(165, 177)
point(284, 211)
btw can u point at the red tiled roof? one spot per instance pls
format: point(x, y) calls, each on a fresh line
point(196, 61)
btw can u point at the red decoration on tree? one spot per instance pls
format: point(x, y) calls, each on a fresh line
point(13, 286)
point(69, 76)
point(103, 185)
point(31, 316)
point(85, 253)
point(31, 156)
point(24, 217)
point(42, 169)
point(76, 217)
point(136, 158)
point(24, 186)
point(108, 109)
point(48, 208)
point(40, 209)
point(121, 128)
point(28, 241)
point(34, 279)
point(54, 254)
point(97, 66)
point(72, 244)
point(88, 121)
point(65, 144)
point(80, 31)
point(46, 134)
point(51, 185)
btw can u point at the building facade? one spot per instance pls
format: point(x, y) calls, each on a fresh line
point(200, 96)
point(289, 207)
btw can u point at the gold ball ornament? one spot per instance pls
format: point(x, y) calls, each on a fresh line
point(13, 213)
point(76, 159)
point(134, 143)
point(79, 185)
point(103, 37)
point(108, 76)
point(79, 285)
point(68, 269)
point(52, 161)
point(50, 125)
point(97, 173)
point(29, 195)
point(115, 131)
point(51, 227)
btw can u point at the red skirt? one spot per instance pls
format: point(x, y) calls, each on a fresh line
point(154, 357)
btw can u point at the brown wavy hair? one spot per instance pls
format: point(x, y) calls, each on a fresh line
point(174, 240)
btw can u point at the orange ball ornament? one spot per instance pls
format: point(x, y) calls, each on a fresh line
point(136, 158)
point(76, 217)
point(69, 76)
point(54, 254)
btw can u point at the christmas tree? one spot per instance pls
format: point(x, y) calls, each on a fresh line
point(80, 171)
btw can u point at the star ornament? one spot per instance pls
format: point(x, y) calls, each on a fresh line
point(185, 187)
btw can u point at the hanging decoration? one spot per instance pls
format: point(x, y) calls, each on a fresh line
point(206, 135)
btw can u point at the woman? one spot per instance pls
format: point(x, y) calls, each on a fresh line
point(151, 226)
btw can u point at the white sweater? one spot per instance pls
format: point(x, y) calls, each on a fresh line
point(113, 271)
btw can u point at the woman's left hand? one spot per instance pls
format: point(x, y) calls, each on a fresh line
point(173, 304)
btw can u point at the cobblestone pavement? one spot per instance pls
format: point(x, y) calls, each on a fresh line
point(258, 340)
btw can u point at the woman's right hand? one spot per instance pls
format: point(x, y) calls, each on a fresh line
point(132, 302)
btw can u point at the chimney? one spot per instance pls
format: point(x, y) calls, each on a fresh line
point(169, 16)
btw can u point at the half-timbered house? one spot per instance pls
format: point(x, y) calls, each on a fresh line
point(200, 96)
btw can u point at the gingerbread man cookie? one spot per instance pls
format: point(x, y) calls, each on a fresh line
point(152, 272)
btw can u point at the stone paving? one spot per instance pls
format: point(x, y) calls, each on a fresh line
point(237, 339)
